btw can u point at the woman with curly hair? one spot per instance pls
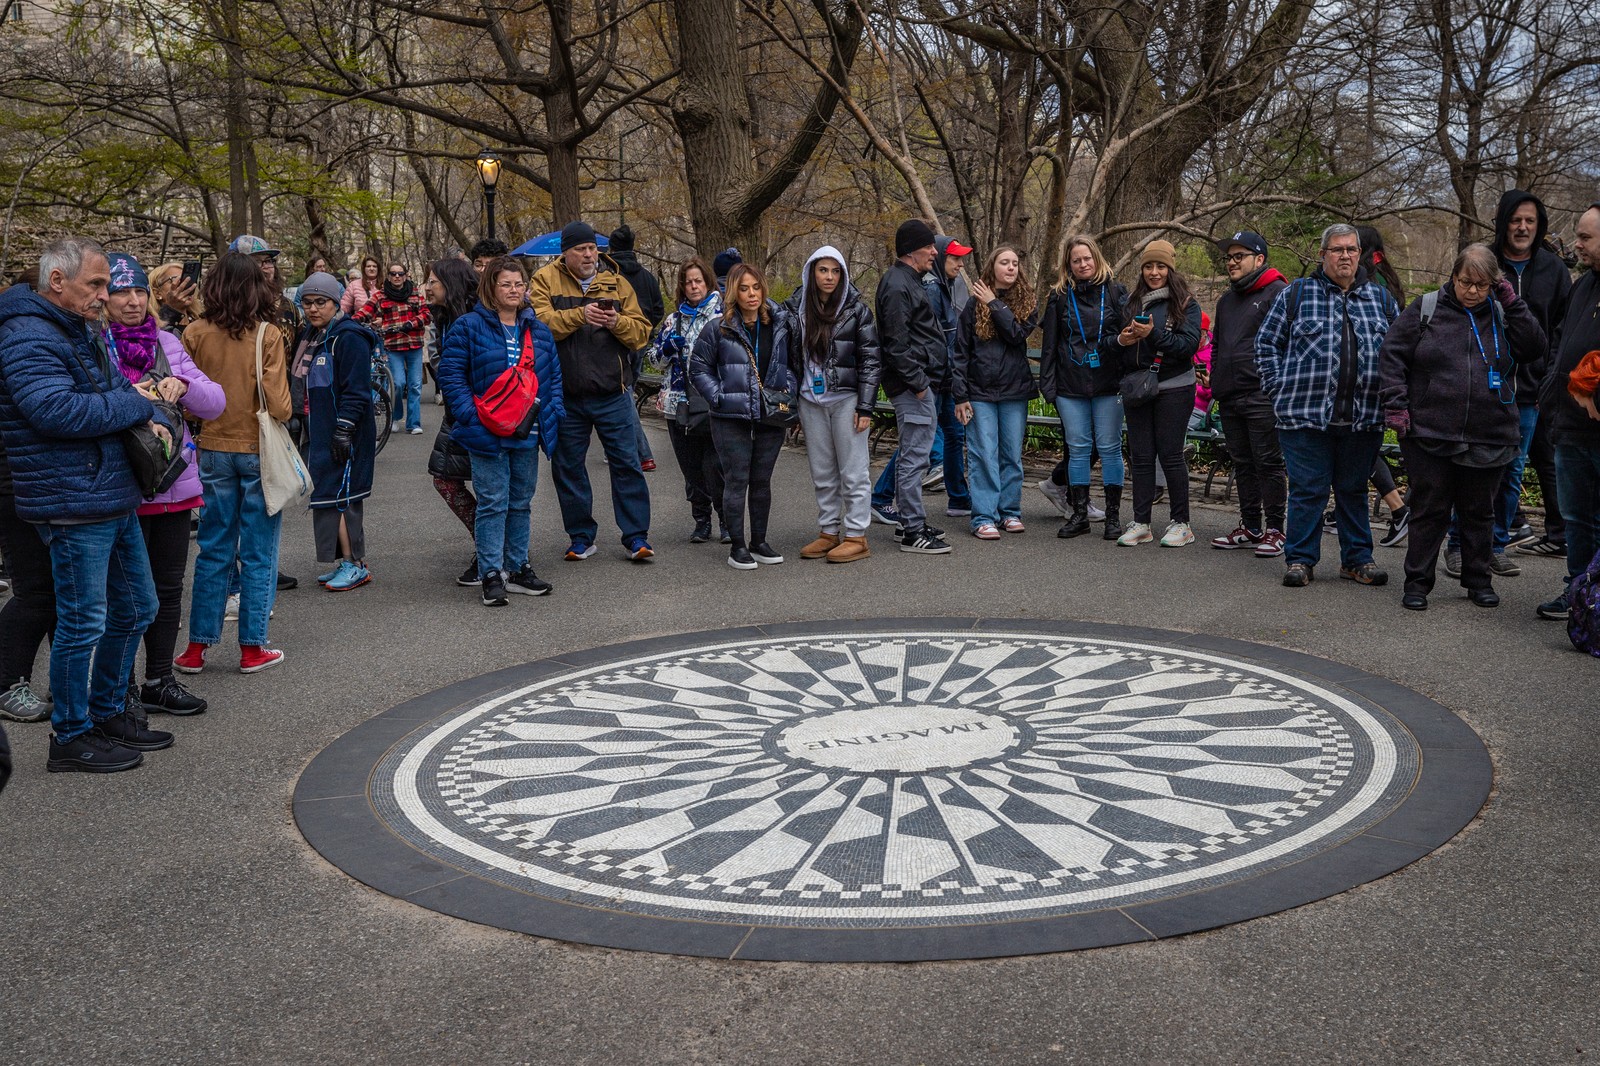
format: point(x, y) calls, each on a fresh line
point(992, 383)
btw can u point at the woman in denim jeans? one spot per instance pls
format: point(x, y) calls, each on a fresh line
point(240, 305)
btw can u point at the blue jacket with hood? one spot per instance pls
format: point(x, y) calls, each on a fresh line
point(474, 356)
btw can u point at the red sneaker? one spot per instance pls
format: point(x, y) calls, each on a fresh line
point(648, 465)
point(193, 660)
point(256, 657)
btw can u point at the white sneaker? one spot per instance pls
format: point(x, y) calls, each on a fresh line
point(1095, 513)
point(1177, 535)
point(230, 613)
point(1057, 495)
point(1136, 533)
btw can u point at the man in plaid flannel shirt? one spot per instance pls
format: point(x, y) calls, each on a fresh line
point(400, 315)
point(1318, 354)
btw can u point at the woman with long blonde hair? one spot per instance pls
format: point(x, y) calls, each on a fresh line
point(992, 383)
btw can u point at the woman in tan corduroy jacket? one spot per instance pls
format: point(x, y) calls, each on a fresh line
point(240, 305)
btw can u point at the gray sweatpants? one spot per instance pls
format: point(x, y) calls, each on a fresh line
point(915, 421)
point(840, 467)
point(325, 528)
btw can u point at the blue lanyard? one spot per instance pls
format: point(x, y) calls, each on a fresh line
point(1098, 326)
point(1494, 335)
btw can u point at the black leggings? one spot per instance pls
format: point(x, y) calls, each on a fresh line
point(29, 616)
point(166, 540)
point(1156, 432)
point(702, 476)
point(747, 453)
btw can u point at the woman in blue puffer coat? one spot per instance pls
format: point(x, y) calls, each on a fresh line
point(498, 333)
point(731, 364)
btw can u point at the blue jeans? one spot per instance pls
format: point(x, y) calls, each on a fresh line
point(1339, 458)
point(234, 524)
point(994, 448)
point(615, 419)
point(105, 600)
point(1509, 495)
point(1092, 425)
point(1578, 484)
point(505, 485)
point(950, 439)
point(406, 369)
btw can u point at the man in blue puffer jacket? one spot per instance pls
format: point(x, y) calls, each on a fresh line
point(479, 347)
point(62, 408)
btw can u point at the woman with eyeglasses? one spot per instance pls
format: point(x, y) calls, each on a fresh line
point(400, 316)
point(1448, 389)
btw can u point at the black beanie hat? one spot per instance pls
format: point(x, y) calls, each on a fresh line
point(576, 233)
point(726, 260)
point(622, 239)
point(911, 236)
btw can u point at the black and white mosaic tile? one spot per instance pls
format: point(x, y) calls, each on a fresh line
point(886, 780)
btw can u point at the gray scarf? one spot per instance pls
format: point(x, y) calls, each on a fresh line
point(1154, 296)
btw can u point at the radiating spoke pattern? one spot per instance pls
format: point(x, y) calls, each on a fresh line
point(881, 780)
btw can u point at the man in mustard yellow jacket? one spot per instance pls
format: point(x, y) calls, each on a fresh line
point(595, 317)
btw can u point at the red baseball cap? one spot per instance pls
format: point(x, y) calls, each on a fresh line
point(957, 249)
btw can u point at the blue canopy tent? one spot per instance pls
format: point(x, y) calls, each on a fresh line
point(550, 244)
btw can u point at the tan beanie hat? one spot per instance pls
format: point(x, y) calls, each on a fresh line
point(1159, 252)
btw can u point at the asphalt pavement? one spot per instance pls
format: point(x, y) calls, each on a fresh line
point(175, 915)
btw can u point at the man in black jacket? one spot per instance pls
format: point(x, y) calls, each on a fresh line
point(648, 289)
point(1249, 425)
point(1542, 280)
point(1574, 431)
point(915, 363)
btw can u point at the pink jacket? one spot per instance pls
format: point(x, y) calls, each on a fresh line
point(1202, 361)
point(204, 400)
point(357, 296)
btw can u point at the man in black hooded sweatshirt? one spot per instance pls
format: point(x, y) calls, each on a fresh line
point(1541, 279)
point(648, 289)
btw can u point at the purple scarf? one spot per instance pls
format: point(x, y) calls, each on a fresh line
point(136, 348)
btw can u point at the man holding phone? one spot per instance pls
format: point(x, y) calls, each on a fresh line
point(595, 317)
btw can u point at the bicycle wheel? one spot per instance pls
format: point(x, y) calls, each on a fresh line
point(382, 405)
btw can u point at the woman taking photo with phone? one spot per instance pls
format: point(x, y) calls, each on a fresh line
point(835, 359)
point(992, 384)
point(741, 366)
point(680, 403)
point(1161, 336)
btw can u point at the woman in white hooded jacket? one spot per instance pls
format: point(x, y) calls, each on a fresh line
point(835, 361)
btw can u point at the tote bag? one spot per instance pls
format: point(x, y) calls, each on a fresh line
point(284, 477)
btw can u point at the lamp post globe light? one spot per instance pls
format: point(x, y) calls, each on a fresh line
point(489, 173)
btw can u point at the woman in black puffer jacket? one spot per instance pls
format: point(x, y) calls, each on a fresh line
point(1449, 391)
point(835, 358)
point(732, 363)
point(452, 291)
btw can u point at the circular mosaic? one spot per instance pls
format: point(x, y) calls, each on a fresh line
point(836, 788)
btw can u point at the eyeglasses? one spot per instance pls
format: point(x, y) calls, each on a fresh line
point(1472, 286)
point(1239, 257)
point(1343, 252)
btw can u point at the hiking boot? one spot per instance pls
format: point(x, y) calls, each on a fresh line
point(20, 703)
point(1241, 537)
point(125, 730)
point(1452, 562)
point(193, 660)
point(1137, 533)
point(849, 550)
point(739, 558)
point(351, 575)
point(1060, 496)
point(1504, 567)
point(1399, 526)
point(1555, 610)
point(820, 547)
point(469, 577)
point(1298, 576)
point(253, 658)
point(1271, 545)
point(762, 552)
point(639, 551)
point(924, 541)
point(1178, 535)
point(167, 695)
point(527, 583)
point(1365, 574)
point(494, 589)
point(1113, 512)
point(90, 753)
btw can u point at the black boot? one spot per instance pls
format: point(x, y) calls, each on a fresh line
point(1113, 512)
point(1077, 523)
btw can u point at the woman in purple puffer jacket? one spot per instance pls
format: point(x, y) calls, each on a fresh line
point(145, 353)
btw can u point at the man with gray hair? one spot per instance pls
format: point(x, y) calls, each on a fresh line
point(1317, 350)
point(63, 407)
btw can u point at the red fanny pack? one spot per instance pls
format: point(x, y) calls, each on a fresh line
point(510, 406)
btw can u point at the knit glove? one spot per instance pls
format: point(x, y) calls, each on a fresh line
point(1504, 292)
point(1399, 421)
point(344, 435)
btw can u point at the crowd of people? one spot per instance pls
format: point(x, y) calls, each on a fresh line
point(102, 361)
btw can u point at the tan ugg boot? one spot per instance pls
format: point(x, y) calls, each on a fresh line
point(849, 550)
point(824, 543)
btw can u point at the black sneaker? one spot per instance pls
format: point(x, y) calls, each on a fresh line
point(494, 590)
point(924, 541)
point(766, 553)
point(1519, 535)
point(469, 578)
point(527, 583)
point(285, 582)
point(702, 532)
point(1399, 526)
point(168, 696)
point(90, 753)
point(724, 537)
point(1330, 522)
point(741, 559)
point(1555, 610)
point(1543, 546)
point(123, 729)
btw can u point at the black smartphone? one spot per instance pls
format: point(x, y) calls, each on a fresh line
point(191, 271)
point(606, 304)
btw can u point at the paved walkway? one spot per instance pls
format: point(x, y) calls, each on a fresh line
point(175, 915)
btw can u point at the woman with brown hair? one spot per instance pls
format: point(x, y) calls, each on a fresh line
point(733, 363)
point(361, 291)
point(241, 306)
point(992, 384)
